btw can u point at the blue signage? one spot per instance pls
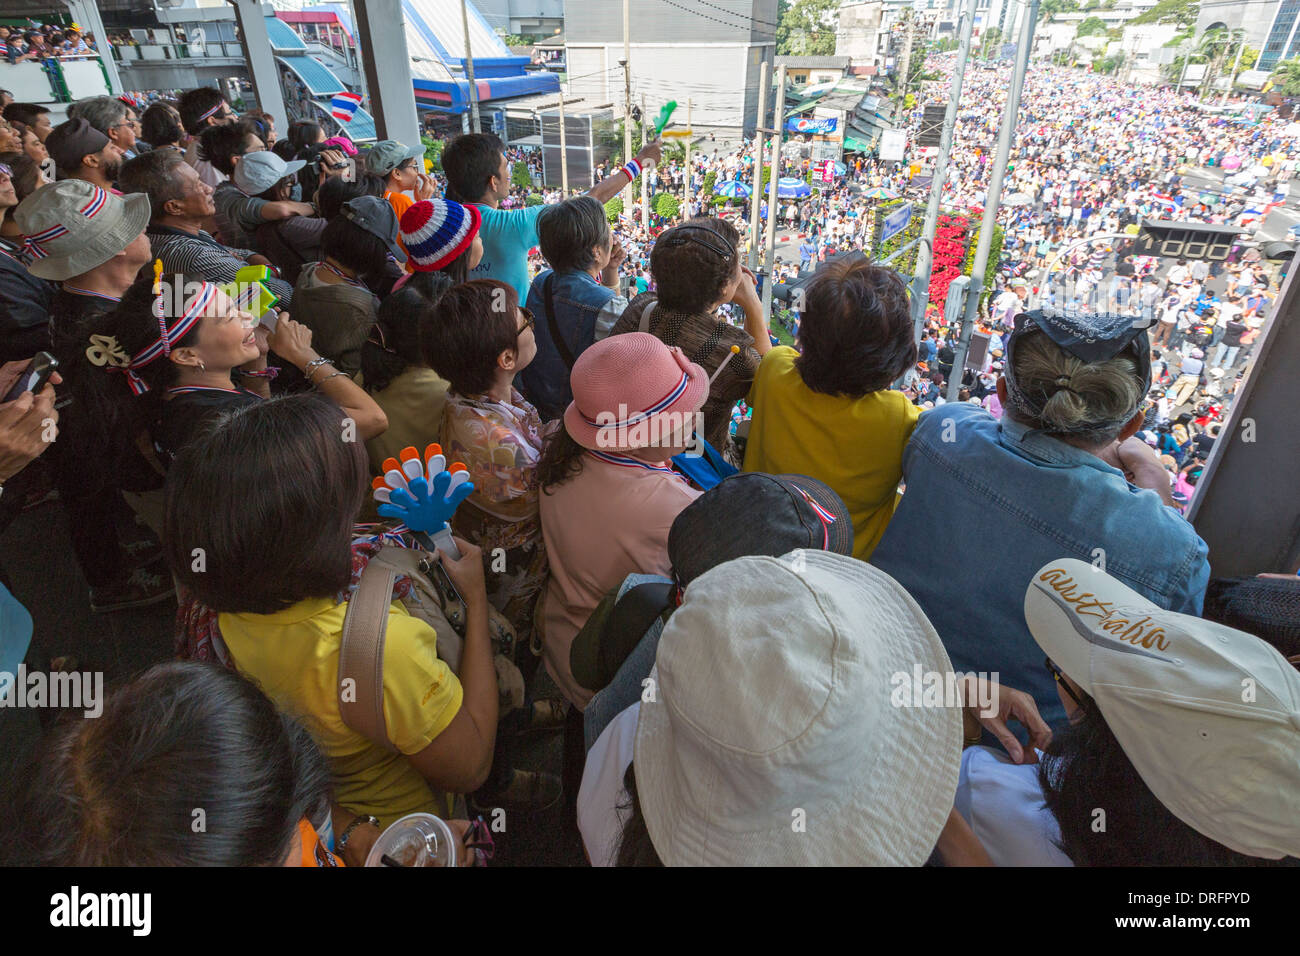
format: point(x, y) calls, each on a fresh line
point(805, 125)
point(895, 222)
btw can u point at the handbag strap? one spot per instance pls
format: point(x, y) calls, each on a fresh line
point(361, 649)
point(553, 327)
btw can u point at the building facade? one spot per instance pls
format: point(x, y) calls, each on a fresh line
point(709, 54)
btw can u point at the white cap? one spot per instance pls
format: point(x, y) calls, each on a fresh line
point(1209, 716)
point(774, 695)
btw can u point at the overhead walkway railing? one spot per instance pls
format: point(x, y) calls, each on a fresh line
point(55, 81)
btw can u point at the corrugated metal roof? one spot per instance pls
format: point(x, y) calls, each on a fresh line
point(316, 76)
point(282, 35)
point(814, 62)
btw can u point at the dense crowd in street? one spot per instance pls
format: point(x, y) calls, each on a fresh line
point(429, 467)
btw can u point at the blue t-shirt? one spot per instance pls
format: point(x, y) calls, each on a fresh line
point(507, 235)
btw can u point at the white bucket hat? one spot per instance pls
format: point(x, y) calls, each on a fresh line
point(73, 226)
point(773, 739)
point(1209, 716)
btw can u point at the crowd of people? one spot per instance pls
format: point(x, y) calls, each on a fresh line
point(736, 620)
point(46, 41)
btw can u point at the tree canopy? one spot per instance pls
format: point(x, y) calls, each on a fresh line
point(807, 27)
point(1181, 13)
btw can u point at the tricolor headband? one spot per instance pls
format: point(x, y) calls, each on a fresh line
point(166, 336)
point(212, 112)
point(98, 200)
point(675, 393)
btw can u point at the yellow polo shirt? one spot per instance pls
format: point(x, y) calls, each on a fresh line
point(854, 445)
point(293, 655)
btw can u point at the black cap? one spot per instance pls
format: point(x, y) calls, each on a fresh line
point(754, 513)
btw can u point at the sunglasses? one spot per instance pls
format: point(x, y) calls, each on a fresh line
point(5, 171)
point(529, 322)
point(1059, 677)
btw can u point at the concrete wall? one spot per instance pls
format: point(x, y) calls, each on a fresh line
point(652, 21)
point(1254, 18)
point(721, 79)
point(859, 32)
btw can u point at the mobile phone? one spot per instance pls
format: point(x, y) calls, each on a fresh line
point(34, 377)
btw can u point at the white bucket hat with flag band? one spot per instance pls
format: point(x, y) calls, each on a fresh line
point(72, 226)
point(1209, 716)
point(773, 738)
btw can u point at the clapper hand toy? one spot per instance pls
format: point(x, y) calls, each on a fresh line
point(249, 291)
point(665, 112)
point(424, 494)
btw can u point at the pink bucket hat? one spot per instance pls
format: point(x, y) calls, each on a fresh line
point(630, 390)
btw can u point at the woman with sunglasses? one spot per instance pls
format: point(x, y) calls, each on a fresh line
point(479, 339)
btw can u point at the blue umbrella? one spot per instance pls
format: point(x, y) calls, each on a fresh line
point(734, 189)
point(787, 187)
point(840, 169)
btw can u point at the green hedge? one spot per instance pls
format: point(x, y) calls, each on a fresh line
point(533, 199)
point(614, 209)
point(521, 176)
point(666, 205)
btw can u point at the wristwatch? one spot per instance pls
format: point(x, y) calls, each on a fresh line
point(342, 841)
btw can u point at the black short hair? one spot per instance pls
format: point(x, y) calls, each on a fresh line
point(194, 103)
point(855, 330)
point(568, 230)
point(469, 162)
point(303, 133)
point(268, 493)
point(219, 145)
point(153, 173)
point(181, 736)
point(344, 241)
point(27, 113)
point(1085, 767)
point(159, 126)
point(335, 191)
point(394, 343)
point(688, 266)
point(472, 324)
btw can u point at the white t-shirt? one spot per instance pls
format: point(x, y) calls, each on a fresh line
point(599, 819)
point(1003, 803)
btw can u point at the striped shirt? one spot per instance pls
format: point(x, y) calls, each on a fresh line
point(201, 256)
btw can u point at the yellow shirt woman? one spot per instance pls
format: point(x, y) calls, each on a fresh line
point(854, 445)
point(293, 655)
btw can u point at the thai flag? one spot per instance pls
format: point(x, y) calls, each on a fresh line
point(344, 106)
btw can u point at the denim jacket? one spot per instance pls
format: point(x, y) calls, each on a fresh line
point(989, 506)
point(579, 301)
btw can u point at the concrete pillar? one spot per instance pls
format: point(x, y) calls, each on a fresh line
point(86, 15)
point(387, 66)
point(261, 61)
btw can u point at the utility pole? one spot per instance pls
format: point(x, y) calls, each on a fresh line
point(627, 103)
point(689, 171)
point(925, 252)
point(992, 197)
point(564, 153)
point(757, 169)
point(906, 66)
point(645, 176)
point(778, 121)
point(469, 70)
point(1233, 75)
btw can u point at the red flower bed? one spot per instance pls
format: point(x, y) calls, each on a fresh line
point(950, 241)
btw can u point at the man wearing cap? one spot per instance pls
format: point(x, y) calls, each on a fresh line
point(24, 297)
point(82, 152)
point(94, 244)
point(402, 169)
point(1061, 474)
point(179, 204)
point(478, 172)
